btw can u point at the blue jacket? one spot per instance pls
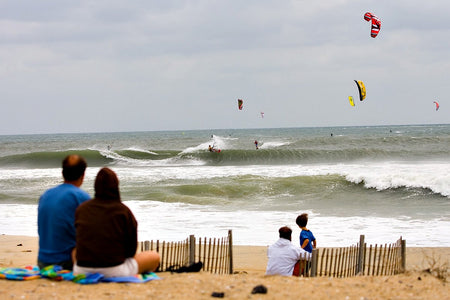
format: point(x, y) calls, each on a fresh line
point(56, 222)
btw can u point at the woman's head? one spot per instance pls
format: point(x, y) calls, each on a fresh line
point(107, 184)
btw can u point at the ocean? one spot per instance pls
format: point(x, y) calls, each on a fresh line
point(380, 181)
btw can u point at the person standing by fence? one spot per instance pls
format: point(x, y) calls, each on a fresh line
point(307, 239)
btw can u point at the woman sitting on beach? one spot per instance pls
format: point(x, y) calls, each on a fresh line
point(106, 234)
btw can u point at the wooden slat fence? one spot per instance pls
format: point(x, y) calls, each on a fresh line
point(215, 253)
point(171, 253)
point(217, 257)
point(359, 259)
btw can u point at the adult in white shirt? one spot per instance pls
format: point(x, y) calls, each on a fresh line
point(283, 255)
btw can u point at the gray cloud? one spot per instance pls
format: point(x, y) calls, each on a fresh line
point(154, 65)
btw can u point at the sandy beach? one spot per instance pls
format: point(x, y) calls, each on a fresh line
point(249, 266)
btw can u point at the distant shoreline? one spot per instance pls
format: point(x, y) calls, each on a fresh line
point(219, 129)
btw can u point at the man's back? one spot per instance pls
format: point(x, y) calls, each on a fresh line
point(282, 257)
point(56, 219)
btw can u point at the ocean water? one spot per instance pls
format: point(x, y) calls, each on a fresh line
point(382, 181)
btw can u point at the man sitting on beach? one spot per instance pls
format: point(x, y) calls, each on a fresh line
point(56, 215)
point(283, 255)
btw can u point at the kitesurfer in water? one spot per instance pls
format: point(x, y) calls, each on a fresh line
point(213, 149)
point(256, 144)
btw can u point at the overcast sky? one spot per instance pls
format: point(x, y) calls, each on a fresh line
point(106, 65)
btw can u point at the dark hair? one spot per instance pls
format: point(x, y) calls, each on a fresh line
point(302, 220)
point(285, 232)
point(73, 167)
point(107, 185)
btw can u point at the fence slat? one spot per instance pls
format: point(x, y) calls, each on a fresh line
point(221, 255)
point(199, 250)
point(383, 264)
point(331, 263)
point(209, 256)
point(370, 256)
point(230, 251)
point(204, 255)
point(360, 268)
point(341, 264)
point(379, 259)
point(321, 262)
point(403, 255)
point(314, 261)
point(346, 260)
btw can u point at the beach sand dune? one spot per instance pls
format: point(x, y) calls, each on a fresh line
point(249, 263)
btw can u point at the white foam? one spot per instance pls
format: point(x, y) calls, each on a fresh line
point(176, 221)
point(137, 149)
point(273, 144)
point(198, 148)
point(217, 142)
point(430, 175)
point(380, 176)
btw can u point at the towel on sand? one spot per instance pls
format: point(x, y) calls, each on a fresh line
point(56, 273)
point(27, 273)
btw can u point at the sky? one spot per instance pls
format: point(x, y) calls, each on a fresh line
point(149, 65)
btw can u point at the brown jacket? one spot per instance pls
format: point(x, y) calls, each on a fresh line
point(106, 229)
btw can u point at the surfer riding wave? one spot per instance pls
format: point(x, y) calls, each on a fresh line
point(213, 149)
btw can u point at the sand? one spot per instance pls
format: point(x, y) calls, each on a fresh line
point(249, 263)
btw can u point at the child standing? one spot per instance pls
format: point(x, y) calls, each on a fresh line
point(307, 239)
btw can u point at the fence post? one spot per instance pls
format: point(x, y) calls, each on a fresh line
point(403, 256)
point(191, 249)
point(360, 266)
point(230, 250)
point(314, 260)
